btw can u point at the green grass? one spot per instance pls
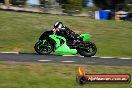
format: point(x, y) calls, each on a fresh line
point(20, 31)
point(53, 76)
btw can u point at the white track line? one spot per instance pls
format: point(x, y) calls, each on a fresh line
point(94, 56)
point(68, 55)
point(44, 60)
point(125, 58)
point(106, 57)
point(81, 56)
point(68, 61)
point(10, 52)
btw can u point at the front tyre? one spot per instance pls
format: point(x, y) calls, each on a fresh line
point(87, 49)
point(43, 47)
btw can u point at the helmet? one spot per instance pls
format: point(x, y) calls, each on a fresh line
point(58, 25)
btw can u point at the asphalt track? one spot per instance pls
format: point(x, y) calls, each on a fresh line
point(32, 57)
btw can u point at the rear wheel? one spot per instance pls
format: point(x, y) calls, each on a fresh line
point(43, 47)
point(87, 49)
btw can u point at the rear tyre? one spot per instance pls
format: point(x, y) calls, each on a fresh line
point(43, 47)
point(87, 49)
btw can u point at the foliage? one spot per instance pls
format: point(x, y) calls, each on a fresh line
point(62, 1)
point(43, 3)
point(113, 5)
point(72, 6)
point(93, 8)
point(128, 7)
point(18, 2)
point(1, 1)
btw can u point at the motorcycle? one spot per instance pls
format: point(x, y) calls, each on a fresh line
point(58, 44)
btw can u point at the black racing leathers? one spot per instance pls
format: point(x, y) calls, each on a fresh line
point(68, 34)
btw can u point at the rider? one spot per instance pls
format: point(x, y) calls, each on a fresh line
point(69, 34)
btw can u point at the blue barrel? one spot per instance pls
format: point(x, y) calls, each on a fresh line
point(104, 15)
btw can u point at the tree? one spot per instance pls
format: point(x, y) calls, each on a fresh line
point(7, 3)
point(43, 3)
point(112, 4)
point(128, 5)
point(1, 1)
point(62, 1)
point(107, 4)
point(19, 2)
point(72, 6)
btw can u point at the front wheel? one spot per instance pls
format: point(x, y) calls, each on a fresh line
point(43, 47)
point(87, 49)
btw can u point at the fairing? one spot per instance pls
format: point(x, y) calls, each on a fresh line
point(62, 49)
point(85, 36)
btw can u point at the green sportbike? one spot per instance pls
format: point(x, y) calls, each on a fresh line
point(53, 43)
